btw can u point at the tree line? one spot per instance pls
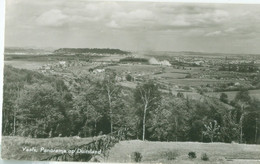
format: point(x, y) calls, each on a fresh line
point(241, 67)
point(41, 106)
point(91, 50)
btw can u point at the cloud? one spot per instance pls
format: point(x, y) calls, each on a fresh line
point(190, 16)
point(215, 33)
point(132, 16)
point(230, 30)
point(153, 25)
point(52, 18)
point(233, 32)
point(206, 18)
point(181, 21)
point(113, 24)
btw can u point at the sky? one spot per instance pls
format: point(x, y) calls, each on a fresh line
point(135, 26)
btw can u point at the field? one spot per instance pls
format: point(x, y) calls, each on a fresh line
point(152, 152)
point(166, 74)
point(22, 64)
point(232, 94)
point(157, 151)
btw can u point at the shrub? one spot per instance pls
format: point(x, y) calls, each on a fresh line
point(181, 95)
point(137, 156)
point(170, 155)
point(129, 77)
point(188, 75)
point(224, 97)
point(192, 155)
point(204, 157)
point(95, 160)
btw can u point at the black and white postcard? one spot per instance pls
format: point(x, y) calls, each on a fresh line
point(124, 81)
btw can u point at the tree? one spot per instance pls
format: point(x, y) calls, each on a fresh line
point(98, 103)
point(129, 77)
point(108, 85)
point(40, 109)
point(169, 120)
point(251, 122)
point(224, 98)
point(196, 130)
point(230, 128)
point(212, 130)
point(88, 110)
point(242, 98)
point(148, 96)
point(180, 95)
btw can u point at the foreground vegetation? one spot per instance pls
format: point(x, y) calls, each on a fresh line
point(12, 147)
point(178, 152)
point(125, 151)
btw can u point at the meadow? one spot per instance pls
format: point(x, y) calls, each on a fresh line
point(177, 152)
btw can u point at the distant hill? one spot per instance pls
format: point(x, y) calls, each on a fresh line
point(90, 50)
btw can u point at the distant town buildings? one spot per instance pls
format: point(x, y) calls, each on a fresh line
point(156, 62)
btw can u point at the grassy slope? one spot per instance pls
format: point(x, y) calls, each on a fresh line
point(151, 151)
point(155, 151)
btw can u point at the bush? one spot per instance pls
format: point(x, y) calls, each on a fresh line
point(224, 98)
point(204, 157)
point(192, 155)
point(170, 155)
point(180, 95)
point(137, 156)
point(188, 75)
point(129, 77)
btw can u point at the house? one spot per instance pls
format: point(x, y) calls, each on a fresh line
point(62, 63)
point(98, 70)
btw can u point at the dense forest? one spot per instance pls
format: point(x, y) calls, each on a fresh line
point(91, 50)
point(41, 106)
